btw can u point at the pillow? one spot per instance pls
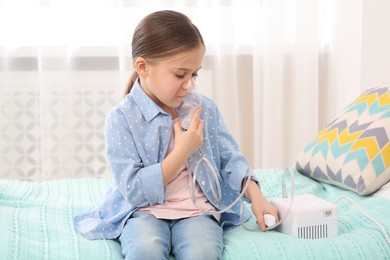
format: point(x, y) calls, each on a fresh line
point(353, 151)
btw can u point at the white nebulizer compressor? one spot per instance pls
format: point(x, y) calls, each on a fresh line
point(308, 217)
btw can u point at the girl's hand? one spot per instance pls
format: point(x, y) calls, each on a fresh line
point(261, 208)
point(260, 205)
point(188, 142)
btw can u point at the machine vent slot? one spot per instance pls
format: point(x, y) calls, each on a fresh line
point(313, 232)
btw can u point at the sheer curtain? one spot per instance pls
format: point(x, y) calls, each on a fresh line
point(279, 71)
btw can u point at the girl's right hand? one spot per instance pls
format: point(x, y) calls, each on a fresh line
point(188, 142)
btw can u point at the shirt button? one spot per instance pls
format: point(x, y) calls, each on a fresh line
point(203, 183)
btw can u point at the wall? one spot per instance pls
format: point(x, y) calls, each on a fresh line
point(375, 55)
point(340, 63)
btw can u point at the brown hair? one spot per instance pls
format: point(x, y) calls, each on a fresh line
point(162, 34)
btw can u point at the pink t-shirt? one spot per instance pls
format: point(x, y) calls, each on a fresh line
point(178, 203)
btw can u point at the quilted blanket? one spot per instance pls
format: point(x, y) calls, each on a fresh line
point(36, 222)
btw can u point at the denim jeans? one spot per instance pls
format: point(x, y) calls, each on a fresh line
point(146, 237)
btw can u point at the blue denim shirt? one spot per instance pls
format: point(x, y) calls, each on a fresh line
point(137, 135)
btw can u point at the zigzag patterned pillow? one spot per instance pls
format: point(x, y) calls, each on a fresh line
point(353, 151)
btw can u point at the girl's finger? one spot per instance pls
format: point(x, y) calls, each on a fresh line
point(195, 119)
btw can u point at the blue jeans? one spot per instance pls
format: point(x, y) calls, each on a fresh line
point(146, 237)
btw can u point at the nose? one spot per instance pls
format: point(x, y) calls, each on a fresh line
point(190, 84)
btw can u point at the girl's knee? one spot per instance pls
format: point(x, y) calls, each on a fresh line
point(198, 238)
point(144, 237)
point(200, 251)
point(153, 248)
point(212, 251)
point(199, 248)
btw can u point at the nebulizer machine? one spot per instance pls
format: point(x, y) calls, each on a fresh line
point(185, 112)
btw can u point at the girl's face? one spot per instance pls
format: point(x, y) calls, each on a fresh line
point(166, 81)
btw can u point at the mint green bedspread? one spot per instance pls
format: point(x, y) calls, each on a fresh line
point(36, 222)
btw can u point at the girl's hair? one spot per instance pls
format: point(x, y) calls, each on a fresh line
point(162, 34)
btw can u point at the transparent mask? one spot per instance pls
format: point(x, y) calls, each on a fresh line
point(189, 105)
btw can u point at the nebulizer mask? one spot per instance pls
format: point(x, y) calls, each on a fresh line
point(189, 105)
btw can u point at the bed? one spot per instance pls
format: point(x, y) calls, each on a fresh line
point(36, 222)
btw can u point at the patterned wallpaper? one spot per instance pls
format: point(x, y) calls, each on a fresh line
point(54, 134)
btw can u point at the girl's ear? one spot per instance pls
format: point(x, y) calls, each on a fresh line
point(141, 66)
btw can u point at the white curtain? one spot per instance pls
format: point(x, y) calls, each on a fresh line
point(278, 69)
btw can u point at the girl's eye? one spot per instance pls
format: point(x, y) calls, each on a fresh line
point(181, 76)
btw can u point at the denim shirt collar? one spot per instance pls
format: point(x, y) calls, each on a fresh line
point(146, 105)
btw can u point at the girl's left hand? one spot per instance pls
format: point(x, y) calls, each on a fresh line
point(260, 205)
point(261, 208)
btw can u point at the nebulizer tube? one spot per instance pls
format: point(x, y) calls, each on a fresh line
point(217, 196)
point(185, 112)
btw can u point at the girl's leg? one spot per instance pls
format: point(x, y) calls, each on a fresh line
point(145, 237)
point(197, 238)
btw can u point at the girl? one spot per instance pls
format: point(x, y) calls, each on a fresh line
point(149, 207)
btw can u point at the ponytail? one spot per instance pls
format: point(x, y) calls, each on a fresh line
point(131, 82)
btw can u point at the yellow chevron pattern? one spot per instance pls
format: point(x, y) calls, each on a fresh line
point(386, 155)
point(345, 137)
point(369, 145)
point(367, 98)
point(384, 99)
point(330, 136)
